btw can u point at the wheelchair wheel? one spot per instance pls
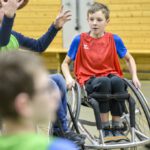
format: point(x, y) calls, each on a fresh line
point(74, 102)
point(142, 114)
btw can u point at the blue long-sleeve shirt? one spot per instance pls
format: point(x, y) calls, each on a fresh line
point(38, 45)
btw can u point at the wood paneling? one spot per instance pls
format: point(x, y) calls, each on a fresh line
point(130, 19)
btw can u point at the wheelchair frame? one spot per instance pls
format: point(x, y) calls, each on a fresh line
point(137, 137)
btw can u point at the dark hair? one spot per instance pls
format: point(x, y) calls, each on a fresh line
point(99, 7)
point(17, 69)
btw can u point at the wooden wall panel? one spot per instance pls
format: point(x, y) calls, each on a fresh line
point(130, 19)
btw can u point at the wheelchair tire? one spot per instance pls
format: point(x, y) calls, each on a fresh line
point(74, 101)
point(143, 114)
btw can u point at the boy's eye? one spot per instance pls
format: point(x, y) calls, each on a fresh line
point(99, 20)
point(91, 19)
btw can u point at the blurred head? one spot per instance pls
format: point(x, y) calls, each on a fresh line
point(98, 18)
point(25, 91)
point(2, 12)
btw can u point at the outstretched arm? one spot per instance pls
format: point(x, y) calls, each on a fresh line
point(44, 41)
point(132, 68)
point(38, 45)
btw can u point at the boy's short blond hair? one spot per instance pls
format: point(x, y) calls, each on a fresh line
point(99, 7)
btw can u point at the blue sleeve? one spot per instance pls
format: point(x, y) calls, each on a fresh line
point(121, 49)
point(5, 30)
point(61, 144)
point(38, 45)
point(74, 47)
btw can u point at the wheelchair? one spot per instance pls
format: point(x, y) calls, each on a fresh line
point(135, 119)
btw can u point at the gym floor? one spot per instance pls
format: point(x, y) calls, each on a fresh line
point(88, 111)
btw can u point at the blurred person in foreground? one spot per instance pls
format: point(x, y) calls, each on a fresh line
point(10, 40)
point(27, 97)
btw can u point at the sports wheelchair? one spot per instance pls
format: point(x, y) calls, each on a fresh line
point(135, 120)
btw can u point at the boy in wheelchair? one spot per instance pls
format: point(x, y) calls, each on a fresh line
point(96, 65)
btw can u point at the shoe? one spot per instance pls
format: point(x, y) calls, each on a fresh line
point(78, 139)
point(107, 135)
point(71, 134)
point(119, 135)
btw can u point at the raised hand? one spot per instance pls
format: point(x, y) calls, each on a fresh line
point(62, 18)
point(70, 83)
point(10, 6)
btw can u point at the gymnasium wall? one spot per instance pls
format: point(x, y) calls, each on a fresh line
point(130, 19)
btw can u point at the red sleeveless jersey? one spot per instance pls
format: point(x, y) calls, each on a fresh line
point(96, 57)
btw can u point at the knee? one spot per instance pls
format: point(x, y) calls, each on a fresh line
point(117, 84)
point(58, 78)
point(60, 81)
point(102, 85)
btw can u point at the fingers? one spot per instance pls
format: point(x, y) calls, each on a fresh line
point(20, 3)
point(71, 84)
point(67, 12)
point(137, 84)
point(61, 9)
point(67, 15)
point(3, 2)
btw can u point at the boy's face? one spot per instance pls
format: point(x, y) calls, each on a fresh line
point(97, 23)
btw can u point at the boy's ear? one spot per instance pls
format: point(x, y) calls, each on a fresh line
point(21, 103)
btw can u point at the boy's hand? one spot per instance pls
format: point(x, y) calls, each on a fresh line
point(136, 82)
point(10, 7)
point(70, 83)
point(62, 18)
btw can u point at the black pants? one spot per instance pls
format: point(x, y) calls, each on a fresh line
point(108, 85)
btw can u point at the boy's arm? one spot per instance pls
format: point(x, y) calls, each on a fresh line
point(44, 41)
point(132, 68)
point(9, 8)
point(5, 30)
point(66, 72)
point(71, 55)
point(123, 53)
point(38, 45)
